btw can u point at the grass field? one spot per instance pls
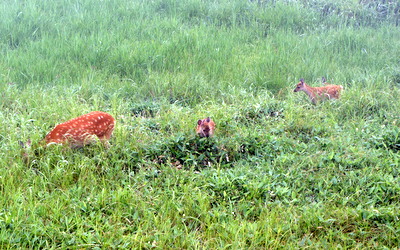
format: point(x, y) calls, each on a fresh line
point(280, 172)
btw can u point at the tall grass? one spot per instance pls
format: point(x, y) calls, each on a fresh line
point(280, 172)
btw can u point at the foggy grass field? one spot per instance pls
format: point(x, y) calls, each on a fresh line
point(280, 172)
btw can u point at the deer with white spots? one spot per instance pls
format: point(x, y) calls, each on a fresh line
point(75, 133)
point(83, 130)
point(317, 94)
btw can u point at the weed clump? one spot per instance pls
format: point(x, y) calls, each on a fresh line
point(390, 139)
point(182, 151)
point(206, 152)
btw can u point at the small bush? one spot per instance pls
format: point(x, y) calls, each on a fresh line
point(388, 139)
point(182, 151)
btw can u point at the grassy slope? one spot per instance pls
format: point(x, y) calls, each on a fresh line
point(279, 171)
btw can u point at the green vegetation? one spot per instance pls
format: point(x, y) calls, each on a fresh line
point(280, 172)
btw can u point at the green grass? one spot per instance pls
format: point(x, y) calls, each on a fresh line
point(279, 172)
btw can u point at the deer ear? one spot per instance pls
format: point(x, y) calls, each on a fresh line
point(302, 80)
point(208, 119)
point(199, 122)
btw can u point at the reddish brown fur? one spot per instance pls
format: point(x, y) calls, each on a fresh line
point(83, 130)
point(205, 127)
point(317, 94)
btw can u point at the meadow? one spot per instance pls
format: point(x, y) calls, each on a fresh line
point(280, 172)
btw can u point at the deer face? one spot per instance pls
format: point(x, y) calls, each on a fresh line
point(205, 127)
point(299, 86)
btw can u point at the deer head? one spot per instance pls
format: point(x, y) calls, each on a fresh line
point(205, 127)
point(299, 86)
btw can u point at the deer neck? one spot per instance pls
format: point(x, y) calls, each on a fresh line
point(309, 90)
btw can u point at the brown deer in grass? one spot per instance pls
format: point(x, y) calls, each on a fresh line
point(75, 133)
point(317, 94)
point(205, 127)
point(83, 130)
